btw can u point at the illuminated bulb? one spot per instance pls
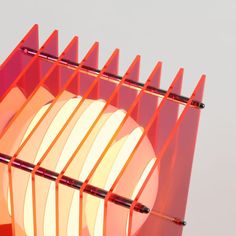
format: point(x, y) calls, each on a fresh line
point(106, 173)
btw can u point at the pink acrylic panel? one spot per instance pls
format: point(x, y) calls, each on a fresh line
point(32, 78)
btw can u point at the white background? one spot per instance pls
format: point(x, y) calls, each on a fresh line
point(197, 35)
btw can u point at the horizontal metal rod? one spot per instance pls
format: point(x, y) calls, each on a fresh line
point(73, 183)
point(114, 78)
point(90, 189)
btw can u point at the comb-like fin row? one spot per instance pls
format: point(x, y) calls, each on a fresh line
point(168, 116)
point(129, 167)
point(152, 102)
point(60, 115)
point(134, 109)
point(174, 185)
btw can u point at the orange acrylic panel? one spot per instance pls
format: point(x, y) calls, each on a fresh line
point(85, 151)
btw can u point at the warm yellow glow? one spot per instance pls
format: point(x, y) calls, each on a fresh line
point(104, 176)
point(77, 134)
point(30, 128)
point(51, 133)
point(119, 161)
point(101, 140)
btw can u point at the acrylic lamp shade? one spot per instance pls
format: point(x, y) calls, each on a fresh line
point(88, 155)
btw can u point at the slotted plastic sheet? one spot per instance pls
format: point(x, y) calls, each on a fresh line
point(106, 155)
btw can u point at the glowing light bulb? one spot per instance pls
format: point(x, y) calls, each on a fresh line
point(106, 173)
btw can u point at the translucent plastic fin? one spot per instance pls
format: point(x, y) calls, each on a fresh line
point(174, 168)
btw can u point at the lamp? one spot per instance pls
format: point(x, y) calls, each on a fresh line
point(105, 175)
point(84, 151)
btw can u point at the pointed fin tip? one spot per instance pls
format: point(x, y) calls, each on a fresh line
point(157, 67)
point(203, 77)
point(94, 47)
point(156, 71)
point(54, 34)
point(36, 26)
point(72, 42)
point(96, 44)
point(179, 74)
point(181, 70)
point(136, 61)
point(115, 54)
point(117, 51)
